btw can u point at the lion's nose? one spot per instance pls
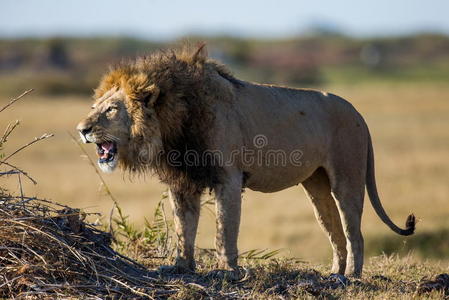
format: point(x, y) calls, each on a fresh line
point(83, 127)
point(85, 131)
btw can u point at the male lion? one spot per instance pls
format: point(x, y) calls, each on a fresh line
point(185, 118)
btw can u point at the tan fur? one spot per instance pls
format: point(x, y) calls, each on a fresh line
point(181, 100)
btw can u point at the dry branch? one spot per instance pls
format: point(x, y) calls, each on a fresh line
point(37, 139)
point(15, 99)
point(3, 139)
point(16, 170)
point(9, 129)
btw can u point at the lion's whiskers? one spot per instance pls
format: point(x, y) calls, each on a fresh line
point(112, 137)
point(104, 136)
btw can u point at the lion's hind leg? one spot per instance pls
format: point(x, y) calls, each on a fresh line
point(318, 189)
point(348, 190)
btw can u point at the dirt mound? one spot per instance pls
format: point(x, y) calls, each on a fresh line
point(48, 249)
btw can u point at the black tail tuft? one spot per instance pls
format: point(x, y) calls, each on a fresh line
point(409, 225)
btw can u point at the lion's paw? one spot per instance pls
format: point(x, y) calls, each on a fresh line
point(238, 274)
point(339, 280)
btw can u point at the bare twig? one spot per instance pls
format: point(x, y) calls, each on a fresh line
point(8, 282)
point(9, 129)
point(37, 139)
point(111, 216)
point(10, 172)
point(20, 185)
point(15, 99)
point(16, 169)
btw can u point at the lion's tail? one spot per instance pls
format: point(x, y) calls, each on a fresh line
point(375, 201)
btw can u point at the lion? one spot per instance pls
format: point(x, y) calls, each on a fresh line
point(186, 119)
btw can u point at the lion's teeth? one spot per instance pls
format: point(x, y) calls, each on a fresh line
point(107, 146)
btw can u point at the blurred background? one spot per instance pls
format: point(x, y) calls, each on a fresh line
point(389, 58)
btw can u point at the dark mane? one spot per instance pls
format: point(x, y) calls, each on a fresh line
point(188, 87)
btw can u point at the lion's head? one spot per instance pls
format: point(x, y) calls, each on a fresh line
point(113, 125)
point(152, 106)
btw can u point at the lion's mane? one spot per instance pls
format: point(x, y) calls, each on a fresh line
point(184, 110)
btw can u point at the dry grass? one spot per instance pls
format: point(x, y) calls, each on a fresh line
point(410, 129)
point(49, 251)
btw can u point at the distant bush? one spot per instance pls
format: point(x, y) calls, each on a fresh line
point(73, 65)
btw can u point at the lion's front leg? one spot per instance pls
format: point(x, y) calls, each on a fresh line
point(186, 212)
point(228, 206)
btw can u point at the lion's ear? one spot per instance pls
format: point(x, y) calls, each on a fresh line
point(151, 95)
point(200, 55)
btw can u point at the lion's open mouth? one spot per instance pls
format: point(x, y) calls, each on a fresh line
point(106, 151)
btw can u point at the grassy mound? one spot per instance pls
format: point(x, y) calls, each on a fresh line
point(47, 249)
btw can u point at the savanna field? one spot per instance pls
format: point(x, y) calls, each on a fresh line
point(409, 126)
point(410, 131)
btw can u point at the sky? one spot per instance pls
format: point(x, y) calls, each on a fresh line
point(169, 19)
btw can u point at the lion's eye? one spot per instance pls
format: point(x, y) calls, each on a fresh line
point(111, 108)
